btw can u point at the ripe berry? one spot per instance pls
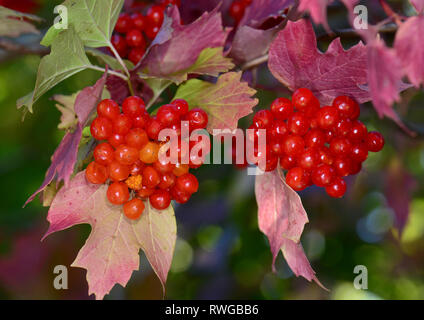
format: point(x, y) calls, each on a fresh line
point(293, 145)
point(138, 21)
point(282, 108)
point(108, 108)
point(356, 167)
point(197, 118)
point(304, 99)
point(325, 156)
point(327, 117)
point(323, 175)
point(179, 196)
point(187, 183)
point(101, 128)
point(343, 166)
point(237, 10)
point(149, 153)
point(141, 121)
point(136, 54)
point(315, 138)
point(163, 166)
point(180, 169)
point(287, 162)
point(181, 105)
point(153, 128)
point(276, 146)
point(120, 45)
point(145, 192)
point(151, 31)
point(151, 177)
point(136, 138)
point(375, 141)
point(263, 119)
point(118, 193)
point(278, 130)
point(337, 188)
point(167, 180)
point(116, 140)
point(160, 199)
point(135, 39)
point(122, 124)
point(133, 106)
point(359, 152)
point(358, 131)
point(126, 155)
point(118, 171)
point(340, 147)
point(124, 23)
point(133, 209)
point(296, 179)
point(348, 108)
point(155, 15)
point(136, 168)
point(308, 159)
point(298, 124)
point(168, 115)
point(104, 154)
point(343, 128)
point(96, 173)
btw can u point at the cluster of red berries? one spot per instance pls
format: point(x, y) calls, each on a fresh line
point(316, 145)
point(130, 30)
point(238, 8)
point(128, 156)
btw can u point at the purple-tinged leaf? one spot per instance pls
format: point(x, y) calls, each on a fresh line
point(181, 45)
point(65, 156)
point(410, 50)
point(261, 10)
point(110, 254)
point(281, 217)
point(193, 9)
point(418, 5)
point(295, 61)
point(118, 88)
point(399, 187)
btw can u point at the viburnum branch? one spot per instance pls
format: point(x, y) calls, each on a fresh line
point(122, 63)
point(114, 73)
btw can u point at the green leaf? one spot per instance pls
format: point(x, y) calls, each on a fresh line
point(225, 101)
point(158, 86)
point(65, 104)
point(67, 58)
point(93, 21)
point(12, 23)
point(109, 60)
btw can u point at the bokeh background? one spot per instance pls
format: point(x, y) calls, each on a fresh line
point(220, 252)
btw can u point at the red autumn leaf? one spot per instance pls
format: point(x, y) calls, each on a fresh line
point(110, 254)
point(409, 49)
point(65, 156)
point(282, 218)
point(261, 10)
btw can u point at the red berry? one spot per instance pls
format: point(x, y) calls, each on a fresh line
point(96, 173)
point(179, 196)
point(282, 108)
point(325, 156)
point(116, 140)
point(304, 99)
point(118, 193)
point(237, 10)
point(160, 199)
point(101, 128)
point(180, 169)
point(141, 121)
point(145, 192)
point(181, 105)
point(163, 166)
point(135, 39)
point(104, 154)
point(136, 168)
point(263, 119)
point(308, 159)
point(375, 141)
point(270, 163)
point(297, 179)
point(343, 127)
point(197, 118)
point(278, 130)
point(348, 108)
point(120, 45)
point(151, 177)
point(337, 188)
point(327, 117)
point(124, 23)
point(133, 209)
point(340, 147)
point(108, 108)
point(293, 145)
point(356, 167)
point(276, 146)
point(287, 162)
point(343, 166)
point(133, 106)
point(136, 138)
point(118, 171)
point(298, 124)
point(167, 180)
point(122, 124)
point(126, 155)
point(155, 15)
point(187, 183)
point(138, 21)
point(323, 175)
point(136, 54)
point(152, 31)
point(168, 115)
point(153, 128)
point(359, 152)
point(358, 131)
point(315, 138)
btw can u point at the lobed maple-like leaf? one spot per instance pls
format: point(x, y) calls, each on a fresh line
point(281, 217)
point(14, 23)
point(177, 48)
point(65, 156)
point(110, 254)
point(409, 49)
point(295, 61)
point(225, 101)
